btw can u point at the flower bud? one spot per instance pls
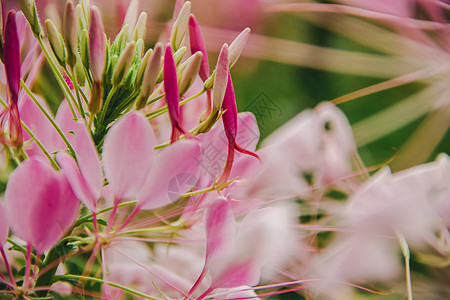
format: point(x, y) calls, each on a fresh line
point(172, 94)
point(97, 51)
point(221, 78)
point(237, 46)
point(56, 42)
point(151, 74)
point(131, 16)
point(1, 33)
point(179, 54)
point(142, 66)
point(141, 27)
point(84, 48)
point(180, 26)
point(82, 21)
point(28, 7)
point(124, 63)
point(190, 71)
point(70, 32)
point(197, 44)
point(140, 45)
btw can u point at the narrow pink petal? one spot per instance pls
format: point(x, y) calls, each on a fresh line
point(128, 154)
point(197, 44)
point(237, 274)
point(3, 225)
point(76, 180)
point(40, 204)
point(174, 172)
point(88, 159)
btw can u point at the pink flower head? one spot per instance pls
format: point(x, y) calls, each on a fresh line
point(39, 203)
point(12, 67)
point(172, 94)
point(229, 119)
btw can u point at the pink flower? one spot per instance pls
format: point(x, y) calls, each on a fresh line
point(40, 204)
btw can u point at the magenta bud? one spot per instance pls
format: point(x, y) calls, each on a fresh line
point(172, 95)
point(12, 56)
point(197, 44)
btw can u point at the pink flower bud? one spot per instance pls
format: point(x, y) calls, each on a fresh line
point(172, 94)
point(12, 68)
point(197, 44)
point(97, 53)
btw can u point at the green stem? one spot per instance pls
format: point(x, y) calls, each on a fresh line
point(21, 249)
point(46, 279)
point(62, 83)
point(106, 104)
point(87, 217)
point(116, 285)
point(76, 87)
point(36, 140)
point(406, 254)
point(163, 109)
point(61, 134)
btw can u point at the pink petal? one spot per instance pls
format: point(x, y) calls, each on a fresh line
point(32, 116)
point(88, 159)
point(76, 180)
point(174, 172)
point(40, 204)
point(220, 231)
point(237, 274)
point(3, 225)
point(128, 154)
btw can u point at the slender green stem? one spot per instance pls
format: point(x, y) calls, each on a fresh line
point(87, 217)
point(11, 154)
point(116, 285)
point(406, 254)
point(36, 140)
point(21, 249)
point(164, 109)
point(62, 83)
point(77, 92)
point(106, 104)
point(61, 134)
point(167, 228)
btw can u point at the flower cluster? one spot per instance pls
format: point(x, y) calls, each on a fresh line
point(147, 182)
